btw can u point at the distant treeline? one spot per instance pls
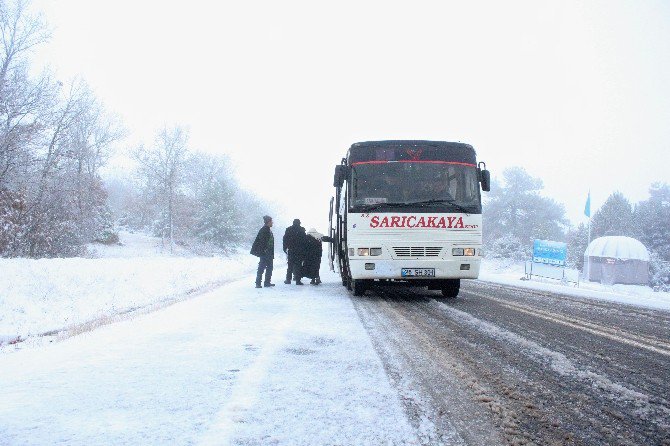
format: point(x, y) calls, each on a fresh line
point(516, 213)
point(185, 197)
point(54, 140)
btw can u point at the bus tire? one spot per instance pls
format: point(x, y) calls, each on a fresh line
point(451, 288)
point(358, 287)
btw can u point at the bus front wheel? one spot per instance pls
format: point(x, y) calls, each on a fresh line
point(450, 288)
point(358, 287)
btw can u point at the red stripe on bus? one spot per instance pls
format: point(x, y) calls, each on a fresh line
point(411, 161)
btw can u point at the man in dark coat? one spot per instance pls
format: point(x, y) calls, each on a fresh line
point(264, 249)
point(313, 253)
point(294, 245)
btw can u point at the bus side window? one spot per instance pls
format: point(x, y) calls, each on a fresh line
point(470, 185)
point(454, 191)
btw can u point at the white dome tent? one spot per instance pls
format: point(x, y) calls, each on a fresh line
point(616, 259)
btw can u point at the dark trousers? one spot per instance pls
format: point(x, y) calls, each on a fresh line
point(294, 268)
point(265, 264)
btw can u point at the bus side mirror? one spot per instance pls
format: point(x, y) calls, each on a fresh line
point(340, 175)
point(484, 176)
point(486, 180)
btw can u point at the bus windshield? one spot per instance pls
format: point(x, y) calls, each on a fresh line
point(434, 186)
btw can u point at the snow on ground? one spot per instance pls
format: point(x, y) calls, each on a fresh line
point(38, 296)
point(238, 365)
point(134, 244)
point(508, 273)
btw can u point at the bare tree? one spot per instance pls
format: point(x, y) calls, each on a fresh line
point(162, 168)
point(19, 32)
point(22, 100)
point(90, 138)
point(67, 200)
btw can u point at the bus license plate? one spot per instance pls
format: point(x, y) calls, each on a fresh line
point(417, 272)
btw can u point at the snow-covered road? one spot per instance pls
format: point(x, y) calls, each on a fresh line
point(289, 365)
point(314, 366)
point(549, 369)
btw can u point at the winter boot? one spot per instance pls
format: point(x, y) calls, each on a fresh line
point(297, 282)
point(312, 282)
point(268, 285)
point(287, 282)
point(258, 285)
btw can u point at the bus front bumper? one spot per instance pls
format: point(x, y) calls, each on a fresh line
point(392, 269)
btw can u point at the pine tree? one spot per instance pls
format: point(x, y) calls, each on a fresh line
point(577, 240)
point(517, 211)
point(615, 217)
point(653, 218)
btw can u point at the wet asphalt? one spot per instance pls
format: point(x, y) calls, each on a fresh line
point(506, 365)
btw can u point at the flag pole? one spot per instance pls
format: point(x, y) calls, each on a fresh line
point(587, 211)
point(588, 257)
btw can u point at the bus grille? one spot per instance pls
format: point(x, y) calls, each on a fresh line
point(417, 251)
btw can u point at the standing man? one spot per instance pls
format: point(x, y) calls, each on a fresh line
point(294, 246)
point(264, 249)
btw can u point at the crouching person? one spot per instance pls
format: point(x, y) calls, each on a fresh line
point(264, 248)
point(313, 254)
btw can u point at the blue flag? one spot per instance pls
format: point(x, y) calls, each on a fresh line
point(587, 208)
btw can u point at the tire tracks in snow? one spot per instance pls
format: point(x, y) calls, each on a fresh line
point(540, 381)
point(615, 334)
point(431, 385)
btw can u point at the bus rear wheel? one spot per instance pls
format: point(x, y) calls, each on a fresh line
point(450, 288)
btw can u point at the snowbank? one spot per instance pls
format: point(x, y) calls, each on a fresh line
point(510, 273)
point(38, 296)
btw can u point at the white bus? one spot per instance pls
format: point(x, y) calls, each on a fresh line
point(408, 212)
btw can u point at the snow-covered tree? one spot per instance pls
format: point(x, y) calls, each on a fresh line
point(216, 214)
point(659, 272)
point(162, 169)
point(67, 204)
point(508, 247)
point(577, 240)
point(12, 223)
point(615, 217)
point(53, 140)
point(653, 219)
point(220, 209)
point(516, 210)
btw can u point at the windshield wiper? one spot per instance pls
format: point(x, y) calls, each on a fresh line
point(373, 207)
point(440, 201)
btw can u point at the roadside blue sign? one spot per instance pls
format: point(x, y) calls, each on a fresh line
point(550, 253)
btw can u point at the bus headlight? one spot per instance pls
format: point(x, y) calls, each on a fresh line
point(363, 251)
point(375, 251)
point(463, 252)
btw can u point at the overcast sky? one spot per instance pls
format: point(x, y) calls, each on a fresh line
point(577, 93)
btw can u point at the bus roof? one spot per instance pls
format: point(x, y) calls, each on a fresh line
point(411, 150)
